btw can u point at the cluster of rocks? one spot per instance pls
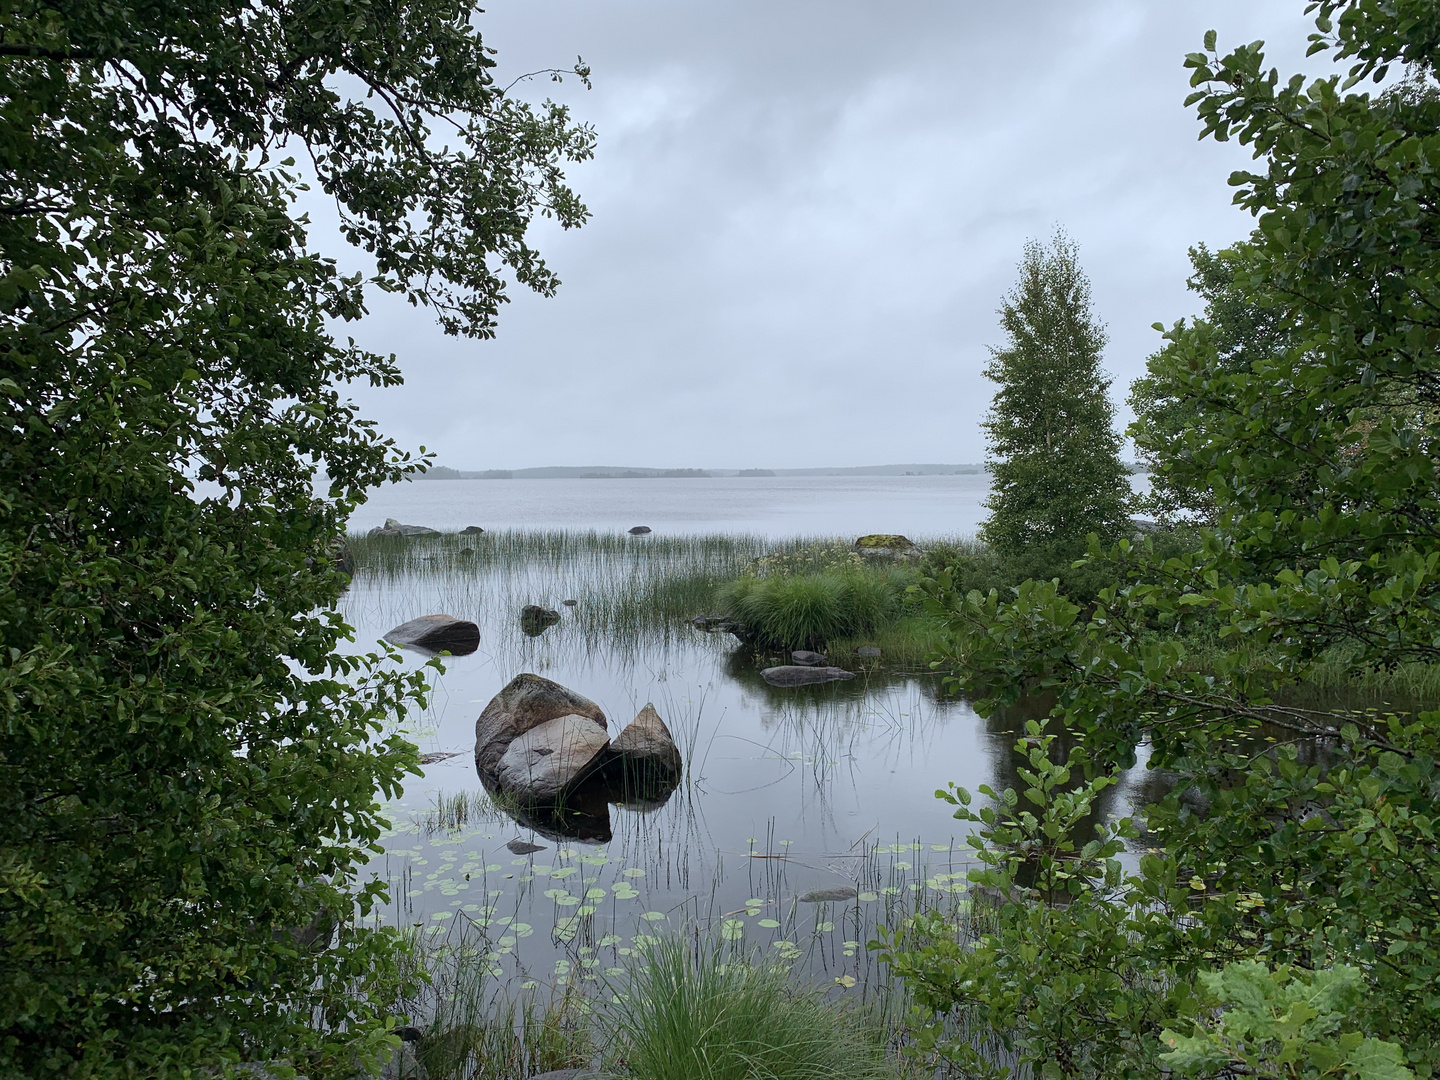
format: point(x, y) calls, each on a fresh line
point(434, 634)
point(396, 528)
point(537, 741)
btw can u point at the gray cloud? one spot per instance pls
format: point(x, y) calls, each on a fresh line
point(805, 214)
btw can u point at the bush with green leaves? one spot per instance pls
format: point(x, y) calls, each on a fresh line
point(1291, 835)
point(1054, 977)
point(190, 762)
point(1287, 1024)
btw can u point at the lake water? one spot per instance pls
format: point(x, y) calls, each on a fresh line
point(773, 506)
point(785, 791)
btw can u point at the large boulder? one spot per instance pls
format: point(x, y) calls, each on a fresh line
point(795, 675)
point(535, 620)
point(541, 764)
point(394, 528)
point(526, 702)
point(888, 546)
point(646, 750)
point(437, 633)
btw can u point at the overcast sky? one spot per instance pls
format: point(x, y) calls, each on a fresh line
point(806, 213)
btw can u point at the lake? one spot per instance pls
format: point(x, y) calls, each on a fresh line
point(772, 506)
point(785, 791)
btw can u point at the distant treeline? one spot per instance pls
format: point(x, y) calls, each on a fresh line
point(611, 472)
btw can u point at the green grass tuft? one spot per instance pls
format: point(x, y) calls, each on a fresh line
point(696, 1014)
point(807, 611)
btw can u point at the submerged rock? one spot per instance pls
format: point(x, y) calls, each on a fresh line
point(570, 603)
point(437, 633)
point(822, 896)
point(640, 530)
point(395, 528)
point(887, 546)
point(806, 658)
point(714, 623)
point(646, 750)
point(546, 761)
point(526, 702)
point(803, 676)
point(524, 847)
point(535, 620)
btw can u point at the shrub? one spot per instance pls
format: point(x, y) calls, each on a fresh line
point(806, 611)
point(693, 1014)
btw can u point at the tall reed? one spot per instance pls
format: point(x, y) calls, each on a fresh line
point(692, 1012)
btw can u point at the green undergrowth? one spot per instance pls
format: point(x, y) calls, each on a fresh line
point(683, 1009)
point(693, 1012)
point(475, 1028)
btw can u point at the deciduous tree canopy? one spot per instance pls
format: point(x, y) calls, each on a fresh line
point(189, 768)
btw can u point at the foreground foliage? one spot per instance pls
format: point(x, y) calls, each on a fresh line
point(1299, 838)
point(692, 1013)
point(189, 769)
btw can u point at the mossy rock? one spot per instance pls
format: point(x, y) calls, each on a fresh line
point(888, 546)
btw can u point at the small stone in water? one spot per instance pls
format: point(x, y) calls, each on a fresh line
point(524, 847)
point(820, 896)
point(569, 603)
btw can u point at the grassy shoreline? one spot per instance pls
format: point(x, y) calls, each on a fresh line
point(650, 587)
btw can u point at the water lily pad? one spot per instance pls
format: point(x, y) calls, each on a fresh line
point(634, 871)
point(732, 929)
point(654, 916)
point(769, 924)
point(868, 897)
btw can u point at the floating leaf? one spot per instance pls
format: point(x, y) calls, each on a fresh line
point(522, 929)
point(634, 871)
point(653, 916)
point(732, 929)
point(769, 924)
point(846, 981)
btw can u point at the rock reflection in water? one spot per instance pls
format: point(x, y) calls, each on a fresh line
point(583, 812)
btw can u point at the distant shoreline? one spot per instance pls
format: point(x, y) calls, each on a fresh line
point(618, 472)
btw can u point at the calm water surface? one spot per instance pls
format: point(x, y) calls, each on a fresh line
point(774, 506)
point(785, 790)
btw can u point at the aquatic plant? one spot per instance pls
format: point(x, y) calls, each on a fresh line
point(698, 1012)
point(472, 1027)
point(806, 611)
